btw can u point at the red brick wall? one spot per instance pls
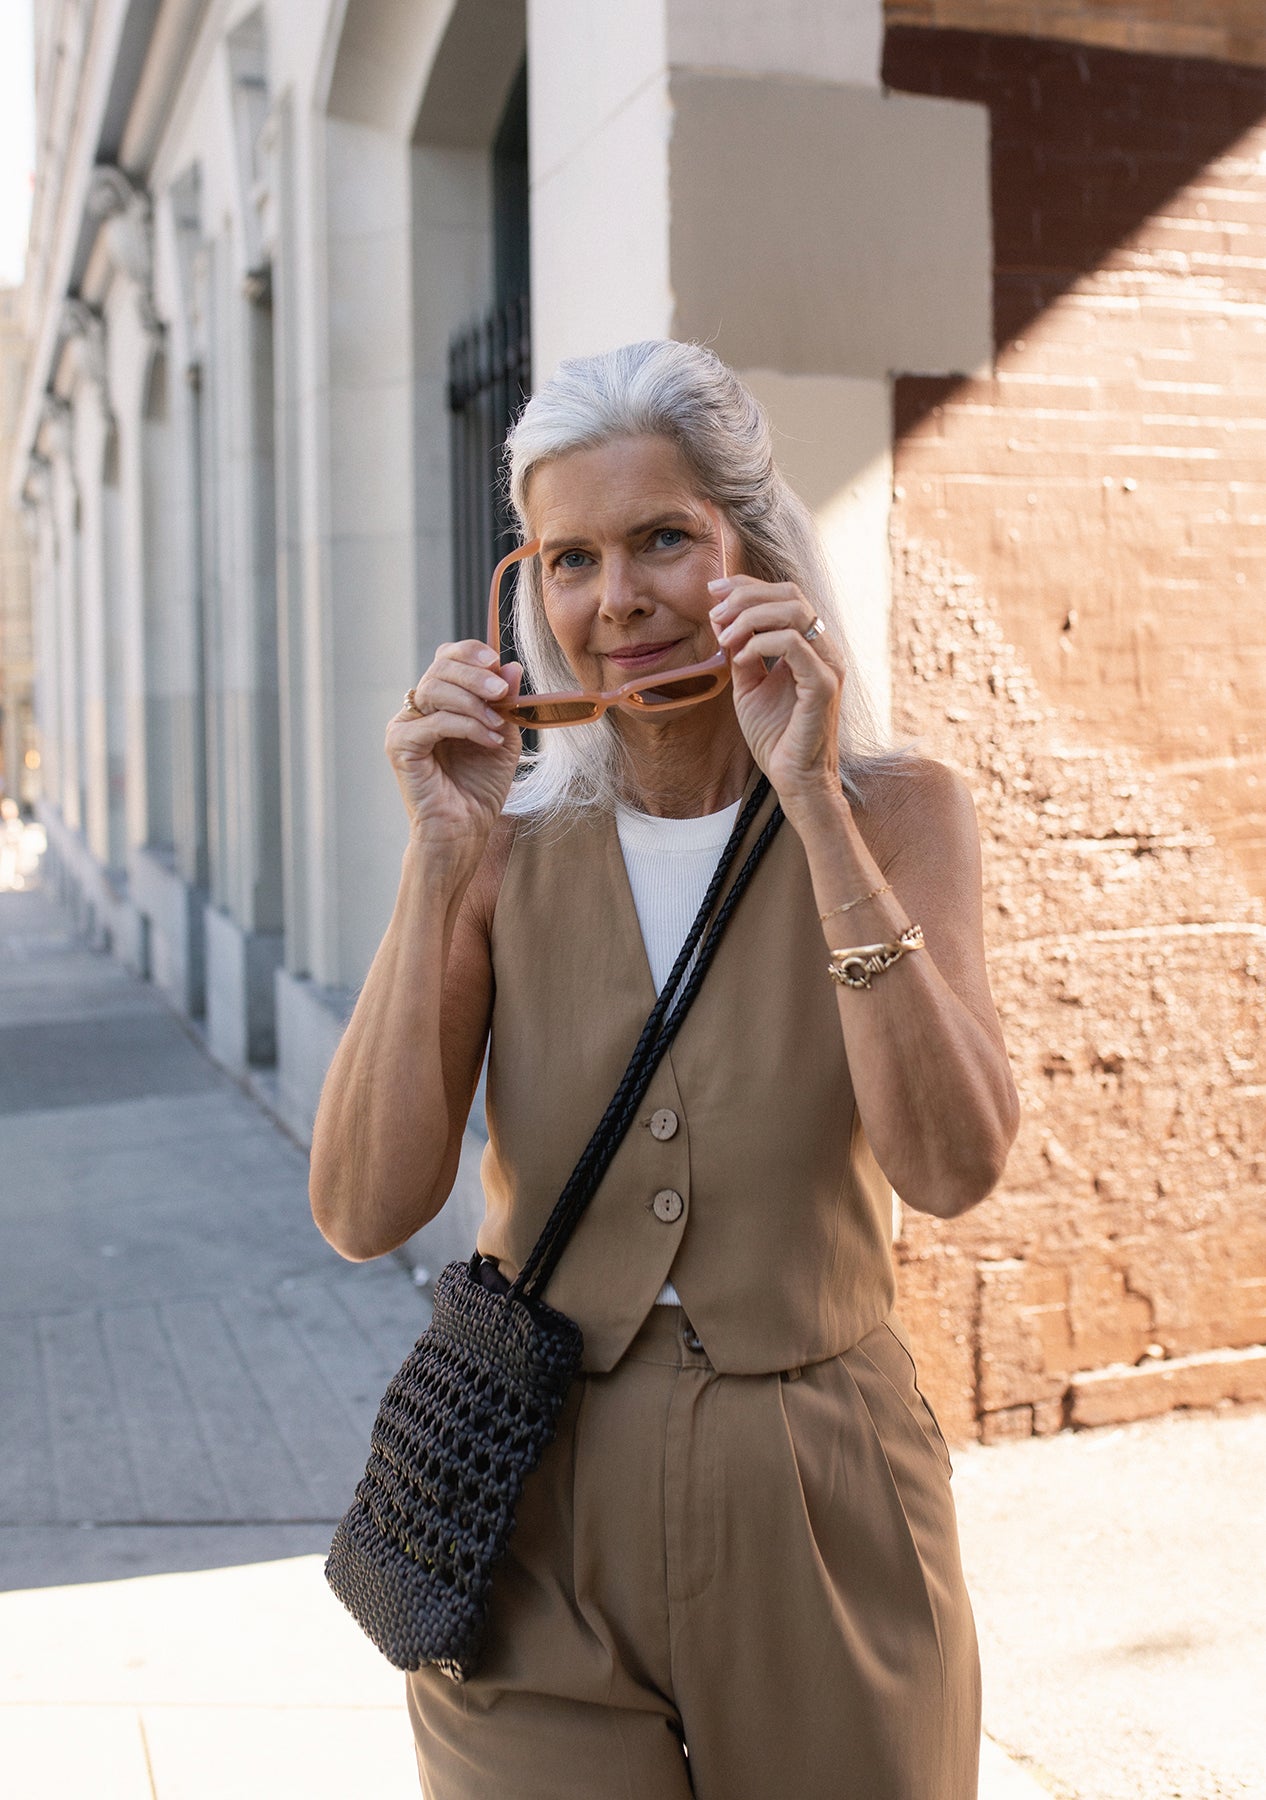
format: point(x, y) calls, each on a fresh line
point(1108, 483)
point(1081, 626)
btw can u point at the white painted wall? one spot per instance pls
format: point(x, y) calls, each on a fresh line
point(833, 442)
point(822, 40)
point(600, 126)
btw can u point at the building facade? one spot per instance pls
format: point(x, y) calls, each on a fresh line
point(255, 443)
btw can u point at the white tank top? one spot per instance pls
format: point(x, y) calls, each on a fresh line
point(670, 863)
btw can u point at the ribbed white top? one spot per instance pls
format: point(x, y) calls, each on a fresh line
point(670, 863)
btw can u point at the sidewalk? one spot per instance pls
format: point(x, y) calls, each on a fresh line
point(188, 1376)
point(187, 1380)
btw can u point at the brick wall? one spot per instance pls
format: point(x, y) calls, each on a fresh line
point(1234, 30)
point(1080, 543)
point(1129, 966)
point(1108, 482)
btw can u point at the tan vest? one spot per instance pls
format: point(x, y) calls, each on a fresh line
point(779, 1247)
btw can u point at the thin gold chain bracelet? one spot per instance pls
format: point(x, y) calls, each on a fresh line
point(861, 899)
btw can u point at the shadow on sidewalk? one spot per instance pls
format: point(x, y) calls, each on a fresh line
point(188, 1373)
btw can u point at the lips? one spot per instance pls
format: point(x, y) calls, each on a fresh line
point(633, 658)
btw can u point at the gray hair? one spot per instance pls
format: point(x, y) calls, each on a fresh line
point(683, 392)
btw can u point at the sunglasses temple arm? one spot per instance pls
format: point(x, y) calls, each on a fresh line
point(714, 514)
point(494, 590)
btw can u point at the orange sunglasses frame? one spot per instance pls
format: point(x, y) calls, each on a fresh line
point(629, 692)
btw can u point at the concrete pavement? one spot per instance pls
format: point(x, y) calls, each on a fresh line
point(188, 1376)
point(1119, 1581)
point(187, 1380)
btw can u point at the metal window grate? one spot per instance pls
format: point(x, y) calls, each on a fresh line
point(489, 378)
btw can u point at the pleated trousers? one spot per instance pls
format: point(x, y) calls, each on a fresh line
point(736, 1587)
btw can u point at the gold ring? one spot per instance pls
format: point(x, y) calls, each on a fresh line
point(411, 705)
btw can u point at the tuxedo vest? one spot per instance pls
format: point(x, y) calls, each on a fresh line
point(745, 1176)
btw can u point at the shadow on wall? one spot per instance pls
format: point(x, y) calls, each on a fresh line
point(1106, 485)
point(1086, 147)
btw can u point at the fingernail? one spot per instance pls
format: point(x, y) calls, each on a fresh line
point(721, 582)
point(492, 718)
point(487, 656)
point(493, 684)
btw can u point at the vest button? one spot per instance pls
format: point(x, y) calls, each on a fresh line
point(668, 1206)
point(664, 1124)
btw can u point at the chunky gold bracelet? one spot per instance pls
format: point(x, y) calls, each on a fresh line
point(854, 968)
point(860, 900)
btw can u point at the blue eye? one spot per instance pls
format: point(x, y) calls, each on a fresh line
point(571, 559)
point(670, 537)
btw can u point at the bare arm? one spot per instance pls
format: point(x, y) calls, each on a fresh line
point(929, 1067)
point(389, 1126)
point(925, 1049)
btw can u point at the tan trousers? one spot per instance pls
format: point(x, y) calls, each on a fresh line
point(737, 1587)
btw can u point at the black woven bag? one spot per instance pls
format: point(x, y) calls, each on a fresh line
point(469, 1414)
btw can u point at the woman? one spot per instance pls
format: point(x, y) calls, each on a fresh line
point(735, 1573)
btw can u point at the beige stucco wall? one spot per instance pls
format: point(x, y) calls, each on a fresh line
point(840, 231)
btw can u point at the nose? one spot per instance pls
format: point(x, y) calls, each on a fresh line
point(623, 596)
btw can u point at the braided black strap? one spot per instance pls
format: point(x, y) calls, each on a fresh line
point(657, 1034)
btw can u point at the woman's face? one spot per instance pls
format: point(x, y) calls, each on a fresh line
point(627, 551)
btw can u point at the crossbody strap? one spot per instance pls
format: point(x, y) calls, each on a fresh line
point(657, 1034)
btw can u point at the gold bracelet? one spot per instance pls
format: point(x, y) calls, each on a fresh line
point(860, 901)
point(854, 968)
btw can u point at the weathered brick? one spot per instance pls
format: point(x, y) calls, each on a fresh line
point(1115, 1395)
point(1229, 29)
point(1129, 964)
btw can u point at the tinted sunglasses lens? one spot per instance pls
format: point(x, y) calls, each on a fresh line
point(553, 712)
point(689, 687)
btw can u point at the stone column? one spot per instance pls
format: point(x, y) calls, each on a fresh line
point(38, 496)
point(66, 636)
point(818, 233)
point(134, 338)
point(94, 456)
point(160, 470)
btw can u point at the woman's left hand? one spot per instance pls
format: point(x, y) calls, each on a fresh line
point(790, 712)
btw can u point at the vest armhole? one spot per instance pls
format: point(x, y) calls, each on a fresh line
point(485, 890)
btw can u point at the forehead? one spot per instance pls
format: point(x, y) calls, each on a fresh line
point(610, 488)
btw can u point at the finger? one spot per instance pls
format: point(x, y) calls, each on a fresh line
point(737, 592)
point(433, 729)
point(793, 648)
point(435, 695)
point(466, 650)
point(741, 589)
point(768, 615)
point(479, 678)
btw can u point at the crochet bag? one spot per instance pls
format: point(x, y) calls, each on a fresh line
point(469, 1414)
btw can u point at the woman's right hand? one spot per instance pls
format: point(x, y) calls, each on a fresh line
point(455, 755)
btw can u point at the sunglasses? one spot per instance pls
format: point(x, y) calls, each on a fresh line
point(645, 694)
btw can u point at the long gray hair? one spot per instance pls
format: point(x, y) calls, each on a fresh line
point(687, 394)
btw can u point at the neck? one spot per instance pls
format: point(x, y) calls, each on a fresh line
point(687, 766)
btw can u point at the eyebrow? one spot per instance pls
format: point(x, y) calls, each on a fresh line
point(673, 519)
